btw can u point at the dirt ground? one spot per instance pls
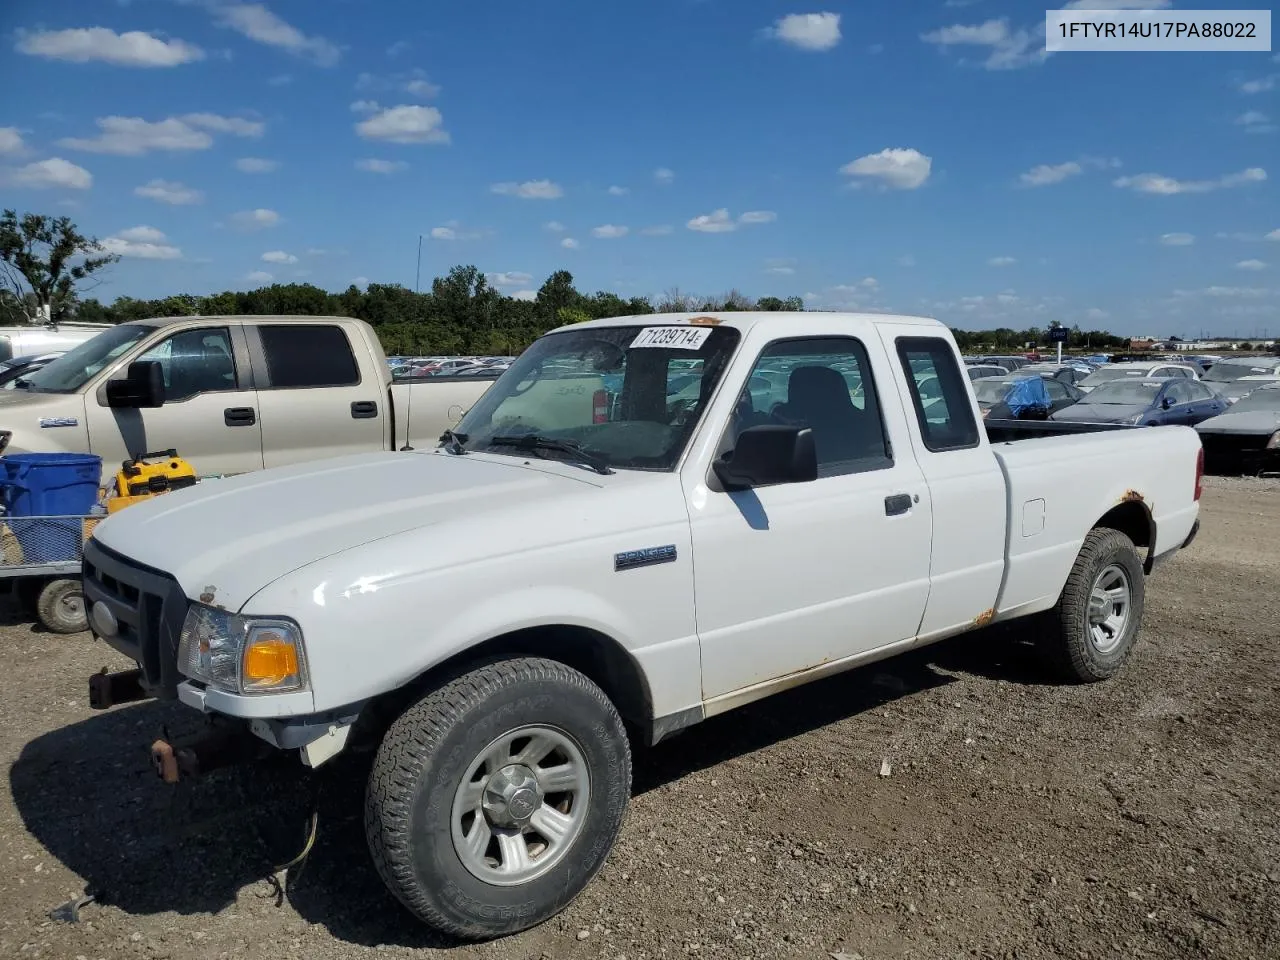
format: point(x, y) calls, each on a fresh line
point(1135, 819)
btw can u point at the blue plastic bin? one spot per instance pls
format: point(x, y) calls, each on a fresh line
point(41, 486)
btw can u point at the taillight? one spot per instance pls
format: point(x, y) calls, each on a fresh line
point(1199, 472)
point(600, 406)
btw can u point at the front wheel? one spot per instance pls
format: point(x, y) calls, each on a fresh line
point(495, 799)
point(1089, 634)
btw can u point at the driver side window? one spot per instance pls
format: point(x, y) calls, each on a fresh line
point(195, 362)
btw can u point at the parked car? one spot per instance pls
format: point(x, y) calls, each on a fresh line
point(1245, 439)
point(1149, 403)
point(1069, 373)
point(649, 571)
point(998, 398)
point(231, 394)
point(1136, 371)
point(1228, 371)
point(34, 338)
point(1233, 390)
point(978, 371)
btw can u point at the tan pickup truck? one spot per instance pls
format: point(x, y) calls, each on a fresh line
point(231, 394)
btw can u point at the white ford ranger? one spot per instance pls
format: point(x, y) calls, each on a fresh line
point(599, 551)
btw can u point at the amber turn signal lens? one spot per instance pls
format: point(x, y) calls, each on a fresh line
point(269, 662)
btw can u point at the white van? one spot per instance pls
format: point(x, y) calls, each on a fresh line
point(40, 338)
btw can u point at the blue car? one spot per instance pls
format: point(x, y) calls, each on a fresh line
point(1150, 403)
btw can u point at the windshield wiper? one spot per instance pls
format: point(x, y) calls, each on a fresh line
point(534, 442)
point(453, 441)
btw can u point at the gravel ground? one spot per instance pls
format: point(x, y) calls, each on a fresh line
point(1132, 819)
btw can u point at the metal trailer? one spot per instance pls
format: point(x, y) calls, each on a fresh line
point(28, 570)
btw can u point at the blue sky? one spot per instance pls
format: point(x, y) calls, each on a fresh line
point(922, 157)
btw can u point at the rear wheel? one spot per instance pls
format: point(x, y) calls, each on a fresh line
point(60, 607)
point(1089, 634)
point(496, 798)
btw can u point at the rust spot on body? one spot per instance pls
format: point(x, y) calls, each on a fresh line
point(207, 596)
point(1132, 496)
point(985, 617)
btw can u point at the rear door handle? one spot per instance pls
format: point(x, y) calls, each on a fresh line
point(897, 504)
point(239, 416)
point(364, 409)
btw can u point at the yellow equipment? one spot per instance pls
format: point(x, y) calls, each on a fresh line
point(149, 475)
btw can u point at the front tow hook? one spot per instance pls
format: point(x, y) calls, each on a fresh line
point(212, 750)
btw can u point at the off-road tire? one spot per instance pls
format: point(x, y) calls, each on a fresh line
point(1064, 632)
point(422, 759)
point(60, 607)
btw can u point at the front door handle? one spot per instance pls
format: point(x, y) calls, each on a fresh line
point(364, 409)
point(239, 416)
point(897, 504)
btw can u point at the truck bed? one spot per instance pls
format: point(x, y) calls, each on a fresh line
point(1011, 431)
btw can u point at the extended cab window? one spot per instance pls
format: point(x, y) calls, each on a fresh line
point(938, 394)
point(309, 355)
point(195, 362)
point(824, 384)
point(629, 397)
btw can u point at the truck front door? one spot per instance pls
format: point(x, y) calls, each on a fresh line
point(209, 414)
point(793, 576)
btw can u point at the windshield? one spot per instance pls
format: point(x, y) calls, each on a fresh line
point(1131, 394)
point(1107, 374)
point(990, 391)
point(1227, 370)
point(1267, 398)
point(76, 367)
point(606, 390)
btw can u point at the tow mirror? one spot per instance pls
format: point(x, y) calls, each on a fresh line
point(142, 386)
point(767, 455)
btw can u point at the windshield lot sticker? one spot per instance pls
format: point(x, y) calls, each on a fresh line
point(671, 338)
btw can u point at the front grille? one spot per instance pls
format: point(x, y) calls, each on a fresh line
point(149, 608)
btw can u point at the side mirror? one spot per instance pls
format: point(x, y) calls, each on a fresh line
point(142, 386)
point(767, 455)
point(1166, 403)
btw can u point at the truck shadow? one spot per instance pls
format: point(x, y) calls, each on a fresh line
point(88, 794)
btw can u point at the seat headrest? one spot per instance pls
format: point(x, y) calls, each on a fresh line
point(812, 387)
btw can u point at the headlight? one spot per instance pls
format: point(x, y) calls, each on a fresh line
point(1137, 419)
point(242, 654)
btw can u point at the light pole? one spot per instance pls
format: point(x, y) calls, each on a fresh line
point(417, 279)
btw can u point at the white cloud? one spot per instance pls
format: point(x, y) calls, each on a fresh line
point(569, 243)
point(780, 270)
point(896, 167)
point(133, 136)
point(444, 233)
point(405, 124)
point(11, 141)
point(609, 231)
point(1255, 121)
point(256, 22)
point(807, 31)
point(413, 82)
point(1008, 49)
point(143, 243)
point(1260, 85)
point(259, 276)
point(555, 226)
point(54, 172)
point(525, 295)
point(1045, 174)
point(255, 219)
point(422, 88)
point(718, 221)
point(399, 47)
point(1177, 239)
point(257, 165)
point(132, 49)
point(664, 175)
point(360, 281)
point(1273, 235)
point(365, 106)
point(1095, 313)
point(758, 216)
point(906, 260)
point(529, 190)
point(1002, 261)
point(380, 166)
point(618, 191)
point(278, 256)
point(512, 279)
point(1116, 4)
point(452, 230)
point(660, 230)
point(1167, 186)
point(1251, 265)
point(170, 192)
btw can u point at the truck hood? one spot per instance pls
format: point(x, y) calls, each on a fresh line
point(231, 537)
point(1100, 412)
point(1247, 422)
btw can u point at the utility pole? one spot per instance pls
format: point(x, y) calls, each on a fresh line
point(417, 279)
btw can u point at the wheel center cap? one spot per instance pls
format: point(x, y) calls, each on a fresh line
point(512, 796)
point(1099, 609)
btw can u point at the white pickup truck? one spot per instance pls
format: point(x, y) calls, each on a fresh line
point(230, 394)
point(498, 616)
